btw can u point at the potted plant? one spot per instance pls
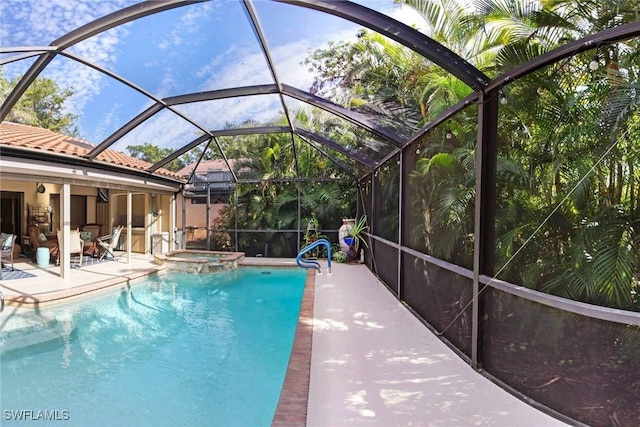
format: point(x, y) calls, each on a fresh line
point(356, 233)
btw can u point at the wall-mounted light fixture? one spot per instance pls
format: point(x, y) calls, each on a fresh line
point(40, 188)
point(449, 134)
point(154, 208)
point(595, 63)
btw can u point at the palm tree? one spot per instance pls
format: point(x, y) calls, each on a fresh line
point(568, 127)
point(557, 124)
point(272, 204)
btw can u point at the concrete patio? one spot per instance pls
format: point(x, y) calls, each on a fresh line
point(46, 285)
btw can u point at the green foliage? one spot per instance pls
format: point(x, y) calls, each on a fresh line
point(357, 231)
point(339, 256)
point(152, 153)
point(601, 267)
point(568, 207)
point(443, 183)
point(272, 204)
point(42, 105)
point(388, 206)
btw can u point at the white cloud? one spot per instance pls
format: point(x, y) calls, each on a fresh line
point(215, 114)
point(45, 21)
point(85, 82)
point(236, 66)
point(104, 127)
point(165, 129)
point(288, 60)
point(408, 16)
point(38, 23)
point(189, 23)
point(177, 40)
point(245, 66)
point(168, 131)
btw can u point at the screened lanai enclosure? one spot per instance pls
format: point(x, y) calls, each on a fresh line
point(492, 146)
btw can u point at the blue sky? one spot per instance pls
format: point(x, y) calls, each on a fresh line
point(200, 47)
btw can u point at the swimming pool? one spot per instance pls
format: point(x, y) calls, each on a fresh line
point(178, 349)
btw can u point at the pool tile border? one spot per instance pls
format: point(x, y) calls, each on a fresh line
point(292, 406)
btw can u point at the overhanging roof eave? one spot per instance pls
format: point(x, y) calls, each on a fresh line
point(31, 154)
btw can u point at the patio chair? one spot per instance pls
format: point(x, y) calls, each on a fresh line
point(7, 242)
point(37, 242)
point(76, 245)
point(108, 243)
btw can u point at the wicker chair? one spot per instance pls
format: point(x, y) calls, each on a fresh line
point(37, 242)
point(7, 241)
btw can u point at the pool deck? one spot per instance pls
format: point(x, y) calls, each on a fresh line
point(46, 286)
point(372, 362)
point(375, 364)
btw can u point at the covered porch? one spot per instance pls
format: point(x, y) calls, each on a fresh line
point(49, 191)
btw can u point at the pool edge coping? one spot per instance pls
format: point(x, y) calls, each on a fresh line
point(36, 300)
point(291, 410)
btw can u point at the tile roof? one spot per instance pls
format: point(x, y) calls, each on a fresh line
point(205, 166)
point(24, 136)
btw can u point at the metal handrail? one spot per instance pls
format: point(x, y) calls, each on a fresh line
point(314, 264)
point(1, 302)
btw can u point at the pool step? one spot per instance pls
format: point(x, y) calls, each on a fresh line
point(35, 335)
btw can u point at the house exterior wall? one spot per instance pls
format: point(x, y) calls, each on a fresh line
point(31, 196)
point(94, 211)
point(107, 215)
point(196, 216)
point(151, 213)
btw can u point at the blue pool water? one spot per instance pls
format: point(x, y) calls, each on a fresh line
point(177, 350)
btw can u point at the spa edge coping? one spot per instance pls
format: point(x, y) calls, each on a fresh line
point(224, 256)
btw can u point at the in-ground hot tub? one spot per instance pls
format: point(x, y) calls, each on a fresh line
point(195, 261)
